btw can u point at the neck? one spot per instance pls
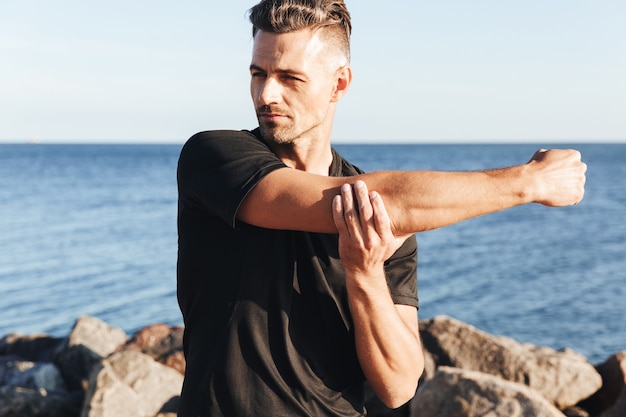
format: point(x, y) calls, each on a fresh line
point(315, 158)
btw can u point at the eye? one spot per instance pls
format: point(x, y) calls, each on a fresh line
point(291, 78)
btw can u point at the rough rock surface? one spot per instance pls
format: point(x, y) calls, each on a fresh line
point(563, 377)
point(462, 393)
point(25, 402)
point(35, 348)
point(139, 377)
point(130, 384)
point(162, 342)
point(27, 374)
point(90, 340)
point(30, 383)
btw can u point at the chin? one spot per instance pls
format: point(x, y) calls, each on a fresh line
point(277, 136)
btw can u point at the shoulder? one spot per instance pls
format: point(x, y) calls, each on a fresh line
point(216, 138)
point(215, 146)
point(222, 134)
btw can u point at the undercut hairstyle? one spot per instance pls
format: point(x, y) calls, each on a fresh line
point(330, 17)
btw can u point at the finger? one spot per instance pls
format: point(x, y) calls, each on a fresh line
point(340, 222)
point(350, 214)
point(381, 217)
point(364, 204)
point(576, 155)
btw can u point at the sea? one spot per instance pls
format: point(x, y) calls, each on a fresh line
point(91, 230)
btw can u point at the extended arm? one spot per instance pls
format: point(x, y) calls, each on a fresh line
point(417, 200)
point(386, 335)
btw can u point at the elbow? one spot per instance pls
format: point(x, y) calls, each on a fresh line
point(396, 395)
point(399, 396)
point(398, 385)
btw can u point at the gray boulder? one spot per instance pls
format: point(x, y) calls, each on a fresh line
point(35, 348)
point(90, 340)
point(563, 377)
point(130, 384)
point(461, 393)
point(34, 375)
point(30, 384)
point(26, 402)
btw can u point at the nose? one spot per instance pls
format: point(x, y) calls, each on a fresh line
point(269, 91)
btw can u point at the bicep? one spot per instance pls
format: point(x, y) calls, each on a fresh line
point(289, 199)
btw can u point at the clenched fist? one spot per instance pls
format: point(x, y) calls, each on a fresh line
point(558, 177)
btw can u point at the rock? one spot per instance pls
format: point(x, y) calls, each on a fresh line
point(162, 342)
point(613, 372)
point(25, 402)
point(575, 412)
point(619, 408)
point(462, 393)
point(96, 335)
point(175, 360)
point(34, 375)
point(35, 348)
point(157, 340)
point(131, 384)
point(90, 340)
point(564, 378)
point(142, 377)
point(170, 409)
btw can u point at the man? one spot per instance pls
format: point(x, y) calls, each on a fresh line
point(297, 283)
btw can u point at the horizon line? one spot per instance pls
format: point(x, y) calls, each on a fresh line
point(343, 141)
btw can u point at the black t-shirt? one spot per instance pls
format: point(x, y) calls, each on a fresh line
point(268, 329)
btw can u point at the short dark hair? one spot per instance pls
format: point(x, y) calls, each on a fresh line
point(284, 16)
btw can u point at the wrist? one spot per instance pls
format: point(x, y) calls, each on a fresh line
point(527, 184)
point(364, 282)
point(518, 186)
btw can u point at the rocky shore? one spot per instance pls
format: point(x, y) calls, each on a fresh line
point(100, 371)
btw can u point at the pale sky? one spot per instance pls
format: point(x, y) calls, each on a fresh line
point(425, 71)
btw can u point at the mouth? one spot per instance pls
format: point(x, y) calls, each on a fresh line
point(270, 113)
point(266, 117)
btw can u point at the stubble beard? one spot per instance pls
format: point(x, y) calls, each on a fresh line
point(278, 135)
point(274, 132)
point(285, 134)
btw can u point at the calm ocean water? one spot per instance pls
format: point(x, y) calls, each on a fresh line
point(91, 230)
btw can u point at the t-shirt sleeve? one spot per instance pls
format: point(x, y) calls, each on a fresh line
point(217, 169)
point(401, 273)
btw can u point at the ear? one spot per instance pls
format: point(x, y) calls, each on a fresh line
point(343, 79)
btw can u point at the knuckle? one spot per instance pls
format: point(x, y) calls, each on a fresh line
point(350, 213)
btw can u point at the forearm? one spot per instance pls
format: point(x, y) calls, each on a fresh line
point(388, 348)
point(386, 335)
point(426, 200)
